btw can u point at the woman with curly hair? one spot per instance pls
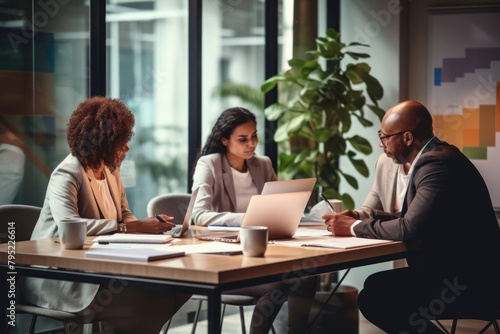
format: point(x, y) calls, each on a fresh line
point(87, 184)
point(227, 175)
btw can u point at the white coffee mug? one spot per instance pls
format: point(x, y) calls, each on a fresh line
point(337, 204)
point(72, 232)
point(254, 240)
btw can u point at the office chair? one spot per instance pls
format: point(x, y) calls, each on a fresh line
point(226, 299)
point(24, 218)
point(490, 316)
point(176, 205)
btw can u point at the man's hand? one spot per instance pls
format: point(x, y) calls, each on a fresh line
point(339, 223)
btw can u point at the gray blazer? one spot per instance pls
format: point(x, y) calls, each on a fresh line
point(381, 199)
point(73, 192)
point(216, 200)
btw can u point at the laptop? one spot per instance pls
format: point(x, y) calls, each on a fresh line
point(289, 186)
point(281, 214)
point(179, 230)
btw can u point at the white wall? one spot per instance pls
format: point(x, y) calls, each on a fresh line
point(376, 23)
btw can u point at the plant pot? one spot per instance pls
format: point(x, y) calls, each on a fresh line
point(340, 315)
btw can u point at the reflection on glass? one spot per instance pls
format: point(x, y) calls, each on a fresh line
point(148, 70)
point(43, 76)
point(234, 58)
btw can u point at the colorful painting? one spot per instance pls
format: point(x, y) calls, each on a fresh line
point(464, 91)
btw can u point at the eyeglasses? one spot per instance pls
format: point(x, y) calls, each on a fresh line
point(382, 137)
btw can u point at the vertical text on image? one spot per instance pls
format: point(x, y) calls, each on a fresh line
point(11, 274)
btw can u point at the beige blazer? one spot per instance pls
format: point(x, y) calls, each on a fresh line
point(216, 200)
point(382, 196)
point(73, 192)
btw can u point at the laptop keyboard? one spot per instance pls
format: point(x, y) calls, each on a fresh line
point(175, 230)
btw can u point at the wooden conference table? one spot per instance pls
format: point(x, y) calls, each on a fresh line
point(205, 274)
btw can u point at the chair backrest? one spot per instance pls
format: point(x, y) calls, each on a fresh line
point(171, 204)
point(20, 218)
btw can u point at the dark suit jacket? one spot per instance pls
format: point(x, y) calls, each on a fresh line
point(448, 211)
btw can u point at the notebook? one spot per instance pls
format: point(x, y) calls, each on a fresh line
point(133, 254)
point(180, 229)
point(281, 214)
point(289, 186)
point(139, 238)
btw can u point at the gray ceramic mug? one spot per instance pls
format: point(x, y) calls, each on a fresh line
point(254, 240)
point(72, 232)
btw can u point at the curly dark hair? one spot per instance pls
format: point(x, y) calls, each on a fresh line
point(98, 130)
point(224, 127)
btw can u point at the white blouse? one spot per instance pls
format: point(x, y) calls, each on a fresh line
point(244, 189)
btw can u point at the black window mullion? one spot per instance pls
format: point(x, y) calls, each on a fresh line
point(97, 62)
point(271, 68)
point(194, 76)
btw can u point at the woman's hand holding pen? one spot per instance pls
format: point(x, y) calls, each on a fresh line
point(151, 224)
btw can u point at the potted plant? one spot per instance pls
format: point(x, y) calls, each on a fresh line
point(316, 108)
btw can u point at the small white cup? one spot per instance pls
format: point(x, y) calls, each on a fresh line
point(72, 232)
point(254, 240)
point(337, 204)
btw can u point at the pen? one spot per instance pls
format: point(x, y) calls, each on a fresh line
point(332, 209)
point(160, 218)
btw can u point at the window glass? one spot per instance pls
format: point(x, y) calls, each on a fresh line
point(233, 64)
point(43, 76)
point(148, 70)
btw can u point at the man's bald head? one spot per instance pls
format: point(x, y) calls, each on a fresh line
point(411, 116)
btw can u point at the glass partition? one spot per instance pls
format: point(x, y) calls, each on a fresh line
point(43, 76)
point(233, 66)
point(147, 68)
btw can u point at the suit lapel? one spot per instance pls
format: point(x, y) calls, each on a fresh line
point(256, 173)
point(115, 193)
point(410, 190)
point(227, 179)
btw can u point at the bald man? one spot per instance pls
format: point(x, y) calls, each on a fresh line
point(447, 212)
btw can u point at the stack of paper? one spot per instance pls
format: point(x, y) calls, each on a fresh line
point(133, 254)
point(134, 238)
point(332, 241)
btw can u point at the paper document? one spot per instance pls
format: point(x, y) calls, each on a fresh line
point(134, 238)
point(332, 241)
point(223, 228)
point(133, 254)
point(212, 247)
point(309, 232)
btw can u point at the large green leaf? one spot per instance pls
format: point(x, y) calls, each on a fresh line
point(378, 111)
point(357, 55)
point(360, 144)
point(295, 123)
point(373, 87)
point(270, 83)
point(274, 111)
point(351, 180)
point(360, 165)
point(347, 202)
point(296, 62)
point(281, 133)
